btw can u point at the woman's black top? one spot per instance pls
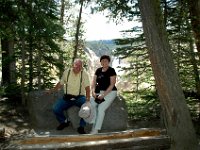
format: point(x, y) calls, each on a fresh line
point(103, 79)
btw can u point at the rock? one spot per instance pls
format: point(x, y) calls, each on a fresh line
point(41, 114)
point(40, 109)
point(116, 117)
point(73, 116)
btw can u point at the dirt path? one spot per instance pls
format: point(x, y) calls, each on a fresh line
point(14, 120)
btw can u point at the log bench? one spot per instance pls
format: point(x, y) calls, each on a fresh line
point(139, 139)
point(41, 114)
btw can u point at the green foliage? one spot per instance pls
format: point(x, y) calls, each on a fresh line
point(41, 51)
point(118, 9)
point(8, 17)
point(180, 37)
point(193, 105)
point(143, 105)
point(36, 29)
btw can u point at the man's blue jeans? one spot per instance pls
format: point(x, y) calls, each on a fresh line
point(61, 105)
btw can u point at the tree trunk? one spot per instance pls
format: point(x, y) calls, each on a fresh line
point(194, 8)
point(77, 32)
point(62, 14)
point(195, 69)
point(23, 72)
point(62, 10)
point(165, 12)
point(5, 63)
point(196, 72)
point(177, 117)
point(30, 60)
point(8, 62)
point(39, 69)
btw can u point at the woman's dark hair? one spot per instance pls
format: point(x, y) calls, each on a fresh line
point(105, 57)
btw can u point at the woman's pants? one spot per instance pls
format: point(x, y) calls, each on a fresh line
point(61, 105)
point(101, 108)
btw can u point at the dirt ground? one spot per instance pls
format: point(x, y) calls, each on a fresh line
point(15, 120)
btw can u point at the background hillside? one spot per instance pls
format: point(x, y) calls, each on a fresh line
point(101, 47)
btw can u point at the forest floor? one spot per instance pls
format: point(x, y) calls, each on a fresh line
point(15, 120)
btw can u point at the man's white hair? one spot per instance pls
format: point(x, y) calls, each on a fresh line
point(78, 60)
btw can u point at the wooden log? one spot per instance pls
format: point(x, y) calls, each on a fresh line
point(139, 139)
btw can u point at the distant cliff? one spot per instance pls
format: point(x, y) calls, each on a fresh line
point(101, 47)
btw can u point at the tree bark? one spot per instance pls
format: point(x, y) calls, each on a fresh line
point(23, 53)
point(30, 60)
point(195, 69)
point(8, 62)
point(62, 14)
point(5, 63)
point(177, 117)
point(39, 69)
point(194, 8)
point(77, 32)
point(196, 72)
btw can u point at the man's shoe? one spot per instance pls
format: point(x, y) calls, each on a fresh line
point(81, 130)
point(63, 125)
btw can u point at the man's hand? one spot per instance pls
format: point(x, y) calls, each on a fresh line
point(56, 88)
point(87, 101)
point(94, 94)
point(50, 91)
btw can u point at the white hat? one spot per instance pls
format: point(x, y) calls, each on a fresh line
point(87, 112)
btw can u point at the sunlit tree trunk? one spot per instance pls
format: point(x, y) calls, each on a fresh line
point(77, 31)
point(194, 7)
point(30, 60)
point(176, 113)
point(165, 12)
point(62, 14)
point(39, 69)
point(195, 70)
point(23, 72)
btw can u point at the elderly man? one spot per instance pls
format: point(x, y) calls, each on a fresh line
point(77, 92)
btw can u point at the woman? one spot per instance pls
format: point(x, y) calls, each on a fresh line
point(103, 91)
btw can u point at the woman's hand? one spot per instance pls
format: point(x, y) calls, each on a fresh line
point(101, 96)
